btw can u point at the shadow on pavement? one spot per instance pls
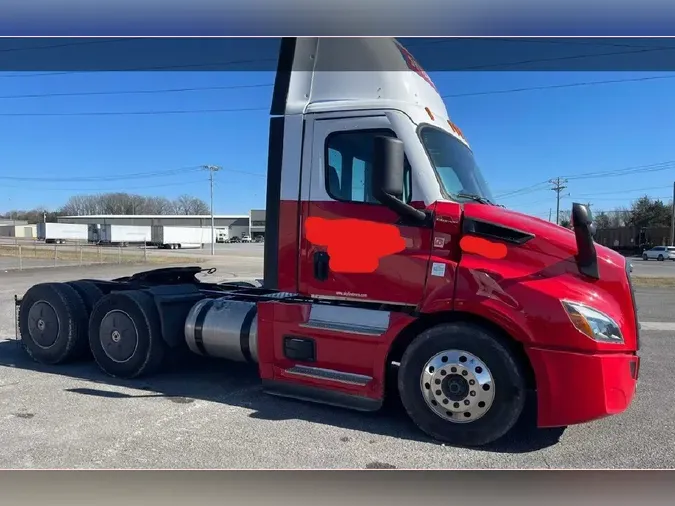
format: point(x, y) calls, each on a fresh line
point(238, 385)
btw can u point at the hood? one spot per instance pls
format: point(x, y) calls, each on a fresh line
point(549, 239)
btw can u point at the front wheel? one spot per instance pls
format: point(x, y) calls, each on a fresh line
point(645, 257)
point(460, 385)
point(660, 259)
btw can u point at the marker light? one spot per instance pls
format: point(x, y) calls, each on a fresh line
point(594, 324)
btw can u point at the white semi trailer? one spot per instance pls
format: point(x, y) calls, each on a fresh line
point(122, 235)
point(164, 236)
point(62, 232)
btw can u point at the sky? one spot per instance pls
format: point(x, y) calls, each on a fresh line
point(520, 139)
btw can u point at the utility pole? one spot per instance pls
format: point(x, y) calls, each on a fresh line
point(212, 170)
point(558, 186)
point(672, 219)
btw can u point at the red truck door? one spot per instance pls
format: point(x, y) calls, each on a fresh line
point(343, 227)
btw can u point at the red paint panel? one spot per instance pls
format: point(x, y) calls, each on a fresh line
point(340, 351)
point(398, 278)
point(439, 291)
point(522, 291)
point(289, 211)
point(600, 385)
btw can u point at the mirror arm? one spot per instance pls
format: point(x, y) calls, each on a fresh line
point(402, 208)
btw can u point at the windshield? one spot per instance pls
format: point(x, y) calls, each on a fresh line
point(455, 166)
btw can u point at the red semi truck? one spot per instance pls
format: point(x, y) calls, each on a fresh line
point(383, 246)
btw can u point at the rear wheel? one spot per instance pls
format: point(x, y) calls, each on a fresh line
point(645, 257)
point(89, 292)
point(460, 385)
point(125, 335)
point(53, 323)
point(660, 259)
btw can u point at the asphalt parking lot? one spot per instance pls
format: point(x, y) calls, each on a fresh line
point(212, 414)
point(653, 268)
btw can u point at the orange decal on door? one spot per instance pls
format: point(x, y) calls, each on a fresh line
point(483, 247)
point(354, 246)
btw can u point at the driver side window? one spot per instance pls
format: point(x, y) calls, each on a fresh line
point(348, 166)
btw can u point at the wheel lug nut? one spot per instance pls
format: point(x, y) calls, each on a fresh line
point(467, 402)
point(472, 393)
point(472, 382)
point(464, 373)
point(438, 382)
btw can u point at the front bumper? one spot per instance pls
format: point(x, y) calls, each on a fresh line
point(575, 388)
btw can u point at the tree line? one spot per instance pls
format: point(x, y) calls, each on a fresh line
point(643, 212)
point(114, 203)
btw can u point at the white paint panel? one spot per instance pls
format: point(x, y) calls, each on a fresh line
point(292, 157)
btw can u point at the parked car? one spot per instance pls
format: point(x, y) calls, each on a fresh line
point(245, 238)
point(659, 253)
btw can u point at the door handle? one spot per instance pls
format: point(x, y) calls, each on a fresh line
point(321, 259)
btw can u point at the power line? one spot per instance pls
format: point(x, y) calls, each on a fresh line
point(142, 69)
point(269, 85)
point(133, 113)
point(535, 40)
point(67, 44)
point(125, 177)
point(137, 92)
point(557, 86)
point(109, 190)
point(613, 192)
point(562, 58)
point(137, 175)
point(638, 169)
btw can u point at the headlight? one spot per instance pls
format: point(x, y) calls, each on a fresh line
point(593, 323)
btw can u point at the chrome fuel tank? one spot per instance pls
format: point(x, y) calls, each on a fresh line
point(223, 328)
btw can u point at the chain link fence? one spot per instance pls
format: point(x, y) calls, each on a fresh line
point(21, 255)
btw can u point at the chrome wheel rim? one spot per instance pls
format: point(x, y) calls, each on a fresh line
point(457, 386)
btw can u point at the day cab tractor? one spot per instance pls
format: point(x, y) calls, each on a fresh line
point(383, 245)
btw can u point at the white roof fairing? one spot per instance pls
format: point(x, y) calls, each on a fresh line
point(339, 73)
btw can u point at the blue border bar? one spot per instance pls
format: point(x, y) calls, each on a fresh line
point(114, 18)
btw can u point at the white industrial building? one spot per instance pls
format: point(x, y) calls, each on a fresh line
point(20, 230)
point(252, 224)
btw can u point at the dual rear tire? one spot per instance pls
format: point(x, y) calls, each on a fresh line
point(66, 322)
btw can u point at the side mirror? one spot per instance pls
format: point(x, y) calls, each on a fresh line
point(388, 162)
point(584, 230)
point(387, 177)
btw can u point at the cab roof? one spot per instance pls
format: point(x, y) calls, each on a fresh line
point(318, 74)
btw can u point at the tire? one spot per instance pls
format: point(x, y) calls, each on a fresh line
point(503, 400)
point(53, 323)
point(89, 292)
point(125, 335)
point(645, 258)
point(660, 259)
point(90, 295)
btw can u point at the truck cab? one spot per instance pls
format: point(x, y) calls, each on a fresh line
point(385, 250)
